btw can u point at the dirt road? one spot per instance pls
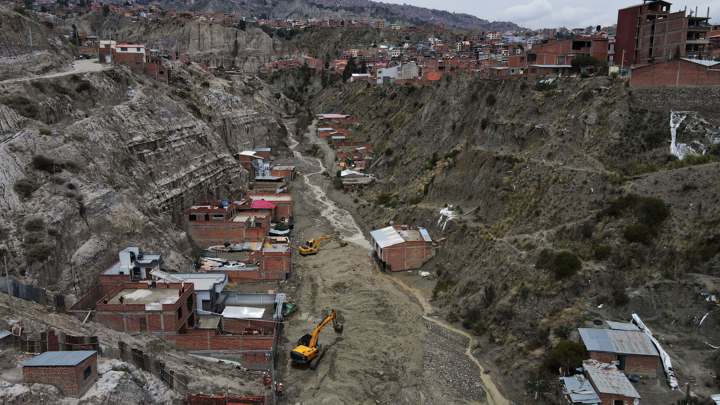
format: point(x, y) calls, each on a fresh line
point(390, 352)
point(78, 67)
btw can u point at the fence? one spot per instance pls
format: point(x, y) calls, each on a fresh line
point(32, 293)
point(143, 361)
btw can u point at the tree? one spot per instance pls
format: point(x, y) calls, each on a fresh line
point(363, 67)
point(29, 4)
point(349, 69)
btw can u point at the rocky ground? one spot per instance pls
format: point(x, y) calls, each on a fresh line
point(534, 169)
point(388, 353)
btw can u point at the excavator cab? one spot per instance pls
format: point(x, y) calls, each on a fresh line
point(308, 350)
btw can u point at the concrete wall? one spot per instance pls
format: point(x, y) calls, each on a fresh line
point(70, 380)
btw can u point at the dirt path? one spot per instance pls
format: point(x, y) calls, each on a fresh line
point(391, 351)
point(78, 67)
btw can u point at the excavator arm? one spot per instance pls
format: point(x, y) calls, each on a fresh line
point(307, 350)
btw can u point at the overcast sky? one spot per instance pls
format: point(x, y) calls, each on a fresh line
point(554, 13)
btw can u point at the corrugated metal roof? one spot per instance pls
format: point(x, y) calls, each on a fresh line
point(243, 312)
point(607, 379)
point(4, 333)
point(59, 359)
point(385, 237)
point(706, 63)
point(425, 234)
point(580, 391)
point(617, 341)
point(622, 325)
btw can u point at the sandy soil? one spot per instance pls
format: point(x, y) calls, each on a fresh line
point(389, 352)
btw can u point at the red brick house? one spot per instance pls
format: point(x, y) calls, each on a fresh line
point(217, 224)
point(131, 55)
point(677, 73)
point(400, 248)
point(250, 160)
point(625, 344)
point(610, 384)
point(72, 372)
point(288, 172)
point(154, 307)
point(283, 204)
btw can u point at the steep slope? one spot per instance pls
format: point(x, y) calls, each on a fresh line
point(200, 40)
point(348, 9)
point(26, 46)
point(570, 209)
point(94, 162)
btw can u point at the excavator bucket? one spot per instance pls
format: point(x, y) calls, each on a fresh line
point(304, 340)
point(338, 327)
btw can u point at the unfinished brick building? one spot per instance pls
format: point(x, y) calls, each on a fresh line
point(72, 372)
point(625, 344)
point(677, 73)
point(401, 248)
point(650, 32)
point(220, 223)
point(157, 308)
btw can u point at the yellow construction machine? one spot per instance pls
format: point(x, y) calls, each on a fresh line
point(308, 351)
point(312, 246)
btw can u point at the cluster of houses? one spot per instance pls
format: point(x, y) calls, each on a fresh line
point(620, 354)
point(651, 45)
point(227, 307)
point(352, 157)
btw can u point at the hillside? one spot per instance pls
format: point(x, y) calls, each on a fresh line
point(348, 9)
point(571, 210)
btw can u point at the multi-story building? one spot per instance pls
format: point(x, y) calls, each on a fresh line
point(650, 32)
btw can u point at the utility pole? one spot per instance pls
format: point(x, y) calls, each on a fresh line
point(6, 252)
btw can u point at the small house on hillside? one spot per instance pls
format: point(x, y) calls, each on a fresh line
point(401, 248)
point(610, 384)
point(577, 390)
point(73, 372)
point(625, 344)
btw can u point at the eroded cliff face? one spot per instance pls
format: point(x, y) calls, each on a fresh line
point(95, 162)
point(579, 166)
point(200, 40)
point(27, 47)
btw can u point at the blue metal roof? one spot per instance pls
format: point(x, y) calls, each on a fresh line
point(59, 359)
point(617, 341)
point(4, 333)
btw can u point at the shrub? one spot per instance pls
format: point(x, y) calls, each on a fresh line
point(38, 252)
point(25, 188)
point(484, 123)
point(36, 224)
point(545, 259)
point(652, 211)
point(619, 296)
point(83, 86)
point(562, 331)
point(490, 100)
point(602, 252)
point(638, 233)
point(45, 131)
point(567, 355)
point(565, 264)
point(23, 106)
point(46, 164)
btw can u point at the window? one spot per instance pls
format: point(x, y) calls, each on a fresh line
point(179, 313)
point(218, 217)
point(123, 49)
point(618, 402)
point(87, 372)
point(192, 217)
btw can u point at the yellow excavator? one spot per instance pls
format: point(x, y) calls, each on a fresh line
point(312, 246)
point(308, 351)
